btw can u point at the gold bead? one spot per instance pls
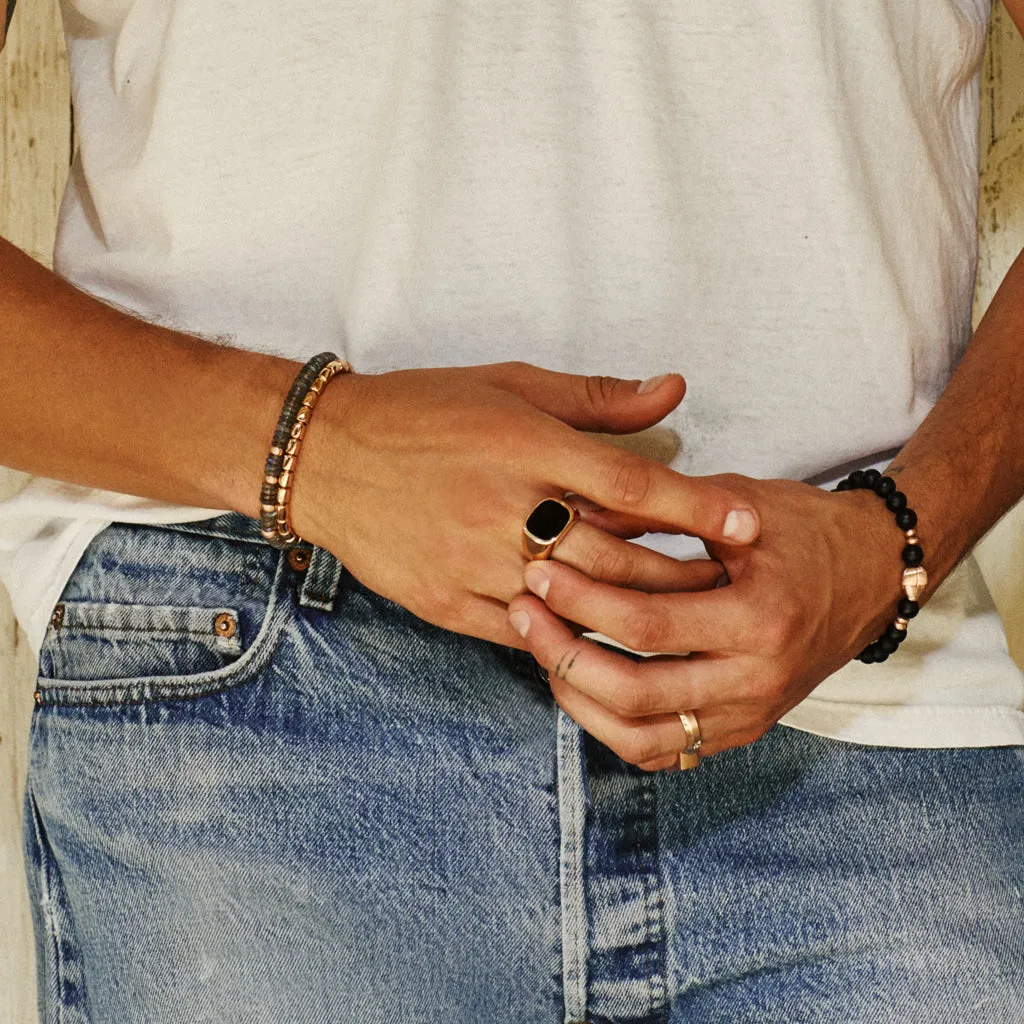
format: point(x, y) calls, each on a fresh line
point(914, 581)
point(289, 463)
point(901, 623)
point(293, 447)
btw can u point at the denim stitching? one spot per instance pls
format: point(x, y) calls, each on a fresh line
point(94, 693)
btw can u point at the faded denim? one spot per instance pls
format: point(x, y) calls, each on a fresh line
point(262, 793)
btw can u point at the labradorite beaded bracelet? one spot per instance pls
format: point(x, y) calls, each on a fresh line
point(279, 470)
point(914, 579)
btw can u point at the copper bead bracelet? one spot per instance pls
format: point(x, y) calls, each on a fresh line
point(914, 579)
point(279, 471)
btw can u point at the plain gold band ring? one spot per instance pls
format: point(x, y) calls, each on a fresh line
point(548, 523)
point(690, 757)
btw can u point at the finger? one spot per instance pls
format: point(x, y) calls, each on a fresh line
point(610, 405)
point(630, 687)
point(624, 482)
point(653, 743)
point(617, 562)
point(479, 616)
point(619, 524)
point(715, 620)
point(722, 727)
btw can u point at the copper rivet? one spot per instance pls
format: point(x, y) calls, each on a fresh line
point(37, 697)
point(57, 618)
point(224, 625)
point(298, 559)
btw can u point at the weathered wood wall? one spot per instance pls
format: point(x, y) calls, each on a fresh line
point(34, 150)
point(35, 133)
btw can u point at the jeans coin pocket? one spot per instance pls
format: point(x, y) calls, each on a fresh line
point(90, 640)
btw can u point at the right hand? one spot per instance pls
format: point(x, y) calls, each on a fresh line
point(419, 482)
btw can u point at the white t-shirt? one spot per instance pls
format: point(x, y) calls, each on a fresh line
point(776, 198)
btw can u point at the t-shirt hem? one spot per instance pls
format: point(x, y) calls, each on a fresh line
point(919, 727)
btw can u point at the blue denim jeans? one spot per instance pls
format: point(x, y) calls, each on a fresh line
point(259, 792)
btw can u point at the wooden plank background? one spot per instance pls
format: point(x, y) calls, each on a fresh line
point(34, 152)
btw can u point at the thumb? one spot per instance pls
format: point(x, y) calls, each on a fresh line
point(610, 405)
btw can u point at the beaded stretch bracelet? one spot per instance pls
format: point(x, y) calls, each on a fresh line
point(279, 471)
point(914, 580)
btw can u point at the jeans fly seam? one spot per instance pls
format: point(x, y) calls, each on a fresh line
point(572, 816)
point(49, 918)
point(658, 983)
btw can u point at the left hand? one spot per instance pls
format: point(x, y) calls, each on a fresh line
point(819, 584)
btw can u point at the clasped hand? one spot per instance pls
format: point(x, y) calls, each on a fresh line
point(799, 602)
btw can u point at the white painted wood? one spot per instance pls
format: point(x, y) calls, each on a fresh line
point(34, 143)
point(1001, 231)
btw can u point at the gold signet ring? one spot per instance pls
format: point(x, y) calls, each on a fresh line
point(548, 523)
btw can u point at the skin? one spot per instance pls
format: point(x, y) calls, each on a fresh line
point(820, 582)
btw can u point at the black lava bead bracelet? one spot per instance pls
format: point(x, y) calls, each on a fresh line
point(914, 580)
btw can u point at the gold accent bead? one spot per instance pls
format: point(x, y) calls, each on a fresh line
point(285, 481)
point(289, 463)
point(901, 623)
point(303, 415)
point(276, 451)
point(270, 479)
point(915, 579)
point(293, 447)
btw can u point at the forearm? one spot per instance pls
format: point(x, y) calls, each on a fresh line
point(964, 466)
point(94, 396)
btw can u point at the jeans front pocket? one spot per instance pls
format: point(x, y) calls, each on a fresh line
point(155, 613)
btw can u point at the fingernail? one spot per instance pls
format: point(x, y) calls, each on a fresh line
point(521, 622)
point(537, 580)
point(652, 384)
point(740, 526)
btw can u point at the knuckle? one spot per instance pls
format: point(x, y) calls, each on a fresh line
point(781, 627)
point(632, 702)
point(638, 746)
point(599, 391)
point(631, 481)
point(610, 563)
point(646, 629)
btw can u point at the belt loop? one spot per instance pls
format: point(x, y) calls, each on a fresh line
point(323, 577)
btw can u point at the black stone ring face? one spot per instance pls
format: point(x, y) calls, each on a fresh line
point(550, 520)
